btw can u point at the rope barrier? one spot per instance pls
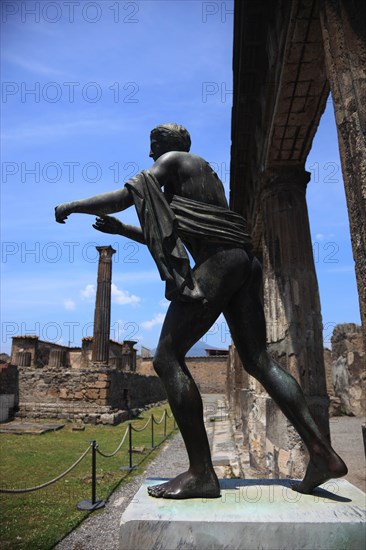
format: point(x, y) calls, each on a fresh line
point(19, 491)
point(143, 428)
point(106, 455)
point(94, 447)
point(161, 419)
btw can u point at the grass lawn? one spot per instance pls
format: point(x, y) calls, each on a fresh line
point(40, 518)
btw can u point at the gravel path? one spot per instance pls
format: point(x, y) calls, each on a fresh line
point(346, 434)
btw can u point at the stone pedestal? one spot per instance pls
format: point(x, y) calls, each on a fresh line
point(250, 514)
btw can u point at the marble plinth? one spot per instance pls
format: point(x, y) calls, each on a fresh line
point(250, 514)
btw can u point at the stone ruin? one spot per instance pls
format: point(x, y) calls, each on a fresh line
point(287, 59)
point(270, 443)
point(96, 383)
point(348, 363)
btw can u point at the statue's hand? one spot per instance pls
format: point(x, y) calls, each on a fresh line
point(61, 213)
point(109, 224)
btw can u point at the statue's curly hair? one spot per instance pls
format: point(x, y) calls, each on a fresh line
point(173, 135)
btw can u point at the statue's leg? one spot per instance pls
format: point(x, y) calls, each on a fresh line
point(184, 325)
point(245, 318)
point(183, 322)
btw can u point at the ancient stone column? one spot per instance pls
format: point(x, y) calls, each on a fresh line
point(23, 358)
point(343, 26)
point(102, 313)
point(291, 295)
point(57, 358)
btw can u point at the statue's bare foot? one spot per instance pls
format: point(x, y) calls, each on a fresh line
point(321, 468)
point(188, 485)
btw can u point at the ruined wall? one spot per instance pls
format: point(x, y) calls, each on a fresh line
point(9, 396)
point(270, 440)
point(335, 405)
point(272, 444)
point(30, 351)
point(87, 394)
point(209, 373)
point(137, 390)
point(50, 385)
point(349, 368)
point(41, 353)
point(8, 379)
point(120, 354)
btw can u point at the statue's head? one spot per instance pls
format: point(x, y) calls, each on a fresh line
point(169, 137)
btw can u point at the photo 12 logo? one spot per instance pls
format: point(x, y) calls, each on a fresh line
point(54, 92)
point(53, 252)
point(215, 91)
point(69, 11)
point(214, 12)
point(70, 171)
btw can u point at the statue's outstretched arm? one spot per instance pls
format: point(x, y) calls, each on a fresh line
point(109, 224)
point(115, 201)
point(106, 203)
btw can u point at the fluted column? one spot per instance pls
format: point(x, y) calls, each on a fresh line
point(291, 295)
point(102, 313)
point(57, 358)
point(23, 359)
point(343, 26)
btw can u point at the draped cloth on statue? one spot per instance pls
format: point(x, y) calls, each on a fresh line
point(164, 225)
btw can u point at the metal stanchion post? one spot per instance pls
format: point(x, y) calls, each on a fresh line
point(165, 420)
point(92, 504)
point(152, 432)
point(130, 467)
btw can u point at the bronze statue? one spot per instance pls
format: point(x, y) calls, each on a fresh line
point(192, 213)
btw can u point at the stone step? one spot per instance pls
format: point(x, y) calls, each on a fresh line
point(87, 413)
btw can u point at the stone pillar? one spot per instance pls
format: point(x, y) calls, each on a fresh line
point(129, 355)
point(343, 26)
point(23, 359)
point(102, 313)
point(291, 295)
point(57, 358)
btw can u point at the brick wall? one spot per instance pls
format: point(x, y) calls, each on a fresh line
point(209, 373)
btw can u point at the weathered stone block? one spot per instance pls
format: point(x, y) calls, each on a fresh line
point(107, 418)
point(63, 393)
point(78, 395)
point(260, 513)
point(102, 384)
point(92, 394)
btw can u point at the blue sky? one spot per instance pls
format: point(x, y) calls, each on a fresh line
point(83, 85)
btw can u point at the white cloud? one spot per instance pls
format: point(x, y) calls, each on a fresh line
point(164, 303)
point(123, 297)
point(118, 296)
point(157, 320)
point(88, 293)
point(69, 304)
